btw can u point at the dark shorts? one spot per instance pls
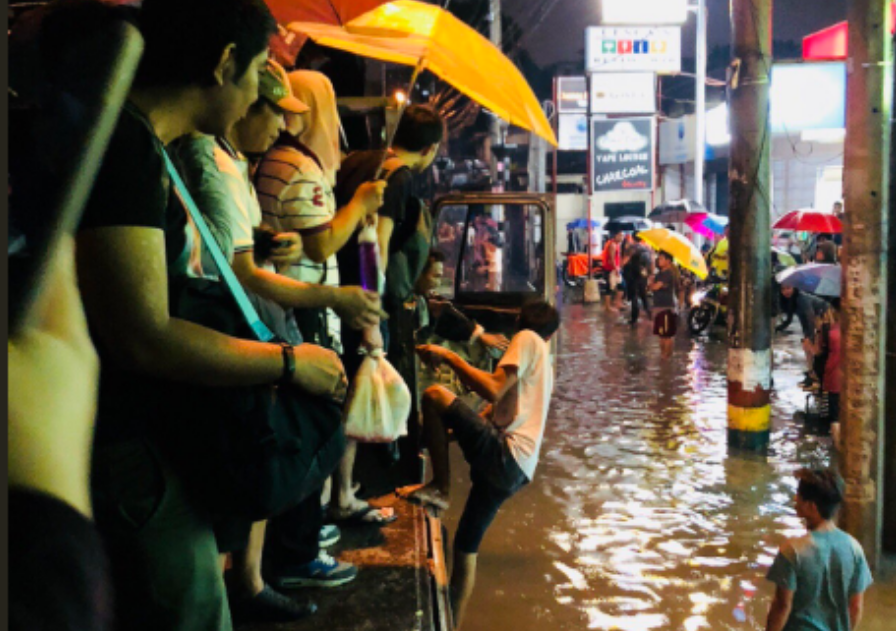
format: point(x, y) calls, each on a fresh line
point(495, 474)
point(665, 324)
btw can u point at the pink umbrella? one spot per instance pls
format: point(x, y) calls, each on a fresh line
point(697, 223)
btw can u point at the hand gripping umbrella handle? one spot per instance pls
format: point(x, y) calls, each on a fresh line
point(417, 70)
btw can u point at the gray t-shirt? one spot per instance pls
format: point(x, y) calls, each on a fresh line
point(823, 569)
point(664, 298)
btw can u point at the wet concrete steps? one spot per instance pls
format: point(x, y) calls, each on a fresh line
point(400, 585)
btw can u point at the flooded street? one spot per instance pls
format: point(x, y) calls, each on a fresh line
point(639, 519)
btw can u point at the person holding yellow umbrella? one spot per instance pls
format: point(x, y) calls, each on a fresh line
point(430, 38)
point(665, 289)
point(673, 248)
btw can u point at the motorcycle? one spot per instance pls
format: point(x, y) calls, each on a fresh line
point(709, 305)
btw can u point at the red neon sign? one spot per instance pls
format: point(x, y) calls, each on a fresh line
point(833, 42)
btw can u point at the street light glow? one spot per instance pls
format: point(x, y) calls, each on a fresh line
point(632, 12)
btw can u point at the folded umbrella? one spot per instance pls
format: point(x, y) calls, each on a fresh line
point(678, 246)
point(821, 279)
point(430, 38)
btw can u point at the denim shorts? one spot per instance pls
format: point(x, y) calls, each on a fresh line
point(494, 471)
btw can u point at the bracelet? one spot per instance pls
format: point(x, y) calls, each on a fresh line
point(289, 363)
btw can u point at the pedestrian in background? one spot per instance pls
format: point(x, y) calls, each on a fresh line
point(821, 577)
point(612, 265)
point(665, 290)
point(635, 272)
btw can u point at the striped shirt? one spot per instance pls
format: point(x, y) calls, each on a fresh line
point(295, 196)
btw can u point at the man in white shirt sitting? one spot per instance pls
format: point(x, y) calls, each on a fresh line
point(501, 445)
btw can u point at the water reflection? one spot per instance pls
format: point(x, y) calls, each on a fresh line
point(639, 519)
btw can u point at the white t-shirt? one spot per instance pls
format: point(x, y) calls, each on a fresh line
point(245, 212)
point(523, 411)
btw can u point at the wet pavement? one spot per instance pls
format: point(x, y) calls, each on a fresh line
point(639, 518)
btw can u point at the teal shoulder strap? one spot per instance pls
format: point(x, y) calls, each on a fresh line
point(262, 332)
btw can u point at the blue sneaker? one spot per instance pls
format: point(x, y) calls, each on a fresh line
point(324, 571)
point(329, 535)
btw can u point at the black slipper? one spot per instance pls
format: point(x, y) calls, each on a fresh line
point(270, 606)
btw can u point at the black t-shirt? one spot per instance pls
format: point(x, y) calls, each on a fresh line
point(360, 167)
point(132, 189)
point(58, 571)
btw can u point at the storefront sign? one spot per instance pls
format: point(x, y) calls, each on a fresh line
point(677, 140)
point(622, 154)
point(643, 11)
point(633, 49)
point(572, 132)
point(623, 93)
point(572, 94)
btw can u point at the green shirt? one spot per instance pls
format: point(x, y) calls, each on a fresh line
point(823, 569)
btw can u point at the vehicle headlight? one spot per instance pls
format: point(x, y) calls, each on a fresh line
point(697, 297)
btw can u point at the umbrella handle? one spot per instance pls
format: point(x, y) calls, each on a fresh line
point(417, 70)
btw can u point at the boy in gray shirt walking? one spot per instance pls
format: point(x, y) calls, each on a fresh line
point(822, 576)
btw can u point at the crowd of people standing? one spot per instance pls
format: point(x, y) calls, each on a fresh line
point(225, 179)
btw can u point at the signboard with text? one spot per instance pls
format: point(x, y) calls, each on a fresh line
point(572, 95)
point(623, 93)
point(622, 154)
point(572, 132)
point(633, 49)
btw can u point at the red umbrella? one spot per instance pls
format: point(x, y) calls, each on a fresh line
point(286, 45)
point(336, 12)
point(809, 221)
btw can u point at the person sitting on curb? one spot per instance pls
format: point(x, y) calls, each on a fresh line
point(502, 444)
point(820, 578)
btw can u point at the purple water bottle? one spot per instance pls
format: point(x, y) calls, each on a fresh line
point(370, 257)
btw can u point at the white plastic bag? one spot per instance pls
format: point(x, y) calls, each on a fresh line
point(379, 402)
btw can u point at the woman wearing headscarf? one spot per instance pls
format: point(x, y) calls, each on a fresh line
point(295, 182)
point(295, 188)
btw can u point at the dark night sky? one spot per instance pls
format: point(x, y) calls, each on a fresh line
point(561, 36)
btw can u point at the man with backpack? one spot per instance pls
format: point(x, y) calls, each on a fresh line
point(403, 234)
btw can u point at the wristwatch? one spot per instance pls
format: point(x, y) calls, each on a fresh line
point(289, 363)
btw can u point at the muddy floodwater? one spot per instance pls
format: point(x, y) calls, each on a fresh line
point(639, 518)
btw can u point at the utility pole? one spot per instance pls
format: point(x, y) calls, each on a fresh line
point(494, 16)
point(889, 537)
point(700, 102)
point(864, 295)
point(749, 177)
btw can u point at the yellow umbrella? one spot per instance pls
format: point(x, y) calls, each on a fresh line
point(682, 250)
point(430, 38)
